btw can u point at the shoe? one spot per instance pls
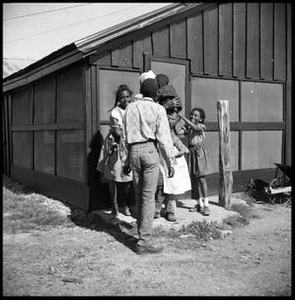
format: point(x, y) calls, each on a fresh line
point(206, 211)
point(202, 209)
point(157, 215)
point(148, 249)
point(125, 211)
point(170, 217)
point(115, 212)
point(196, 208)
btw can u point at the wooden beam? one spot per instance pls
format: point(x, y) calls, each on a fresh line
point(225, 171)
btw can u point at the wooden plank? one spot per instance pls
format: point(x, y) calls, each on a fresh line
point(160, 42)
point(288, 106)
point(178, 40)
point(125, 56)
point(93, 100)
point(239, 55)
point(101, 60)
point(225, 171)
point(138, 54)
point(147, 45)
point(4, 135)
point(252, 58)
point(195, 43)
point(88, 111)
point(140, 48)
point(225, 39)
point(9, 136)
point(55, 126)
point(115, 57)
point(280, 41)
point(211, 42)
point(266, 41)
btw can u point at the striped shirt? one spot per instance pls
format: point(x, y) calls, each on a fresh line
point(144, 120)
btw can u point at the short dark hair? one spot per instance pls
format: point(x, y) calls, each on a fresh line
point(162, 80)
point(149, 88)
point(202, 113)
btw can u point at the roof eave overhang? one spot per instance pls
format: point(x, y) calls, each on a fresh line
point(43, 70)
point(98, 43)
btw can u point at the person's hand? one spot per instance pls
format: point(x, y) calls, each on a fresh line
point(177, 103)
point(171, 172)
point(126, 170)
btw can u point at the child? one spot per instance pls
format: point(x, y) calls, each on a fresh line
point(198, 158)
point(120, 184)
point(177, 184)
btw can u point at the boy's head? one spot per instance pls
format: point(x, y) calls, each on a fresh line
point(162, 80)
point(149, 88)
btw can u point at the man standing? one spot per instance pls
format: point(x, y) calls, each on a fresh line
point(145, 126)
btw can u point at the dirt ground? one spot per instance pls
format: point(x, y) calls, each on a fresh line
point(253, 261)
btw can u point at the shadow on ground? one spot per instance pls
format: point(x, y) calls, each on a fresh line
point(123, 232)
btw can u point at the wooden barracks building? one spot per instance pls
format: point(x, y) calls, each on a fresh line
point(55, 111)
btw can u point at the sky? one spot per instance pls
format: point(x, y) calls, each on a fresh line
point(34, 30)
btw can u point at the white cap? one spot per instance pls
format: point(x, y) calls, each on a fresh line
point(146, 75)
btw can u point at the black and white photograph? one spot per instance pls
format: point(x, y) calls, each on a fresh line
point(147, 149)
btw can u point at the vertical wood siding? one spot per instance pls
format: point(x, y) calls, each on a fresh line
point(104, 60)
point(178, 40)
point(225, 39)
point(266, 41)
point(252, 42)
point(211, 42)
point(6, 135)
point(239, 36)
point(160, 42)
point(288, 107)
point(122, 57)
point(195, 48)
point(140, 47)
point(241, 40)
point(280, 41)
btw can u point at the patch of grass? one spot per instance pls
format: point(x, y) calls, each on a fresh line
point(15, 187)
point(236, 221)
point(23, 212)
point(202, 231)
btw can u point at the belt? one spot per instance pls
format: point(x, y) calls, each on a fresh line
point(144, 142)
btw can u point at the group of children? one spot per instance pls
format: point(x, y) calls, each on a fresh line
point(191, 162)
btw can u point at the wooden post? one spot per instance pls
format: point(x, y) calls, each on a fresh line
point(225, 172)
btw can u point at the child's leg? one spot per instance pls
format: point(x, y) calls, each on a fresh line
point(204, 191)
point(123, 189)
point(159, 199)
point(113, 194)
point(196, 193)
point(159, 196)
point(203, 188)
